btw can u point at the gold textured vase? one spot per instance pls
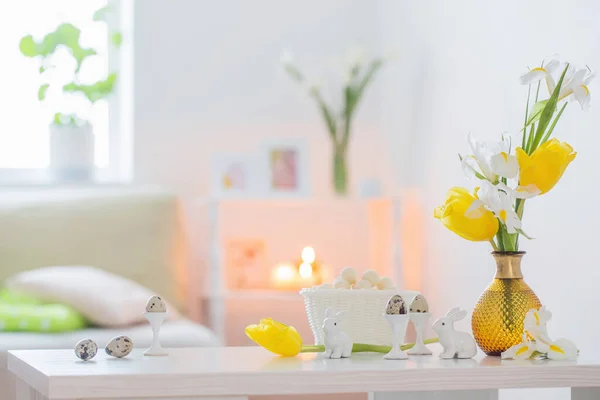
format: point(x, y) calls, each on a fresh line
point(498, 316)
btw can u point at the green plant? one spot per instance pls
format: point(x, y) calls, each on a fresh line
point(66, 35)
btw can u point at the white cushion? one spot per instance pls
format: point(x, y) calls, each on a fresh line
point(105, 299)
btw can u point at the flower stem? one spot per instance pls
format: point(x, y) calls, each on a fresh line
point(499, 238)
point(361, 347)
point(493, 245)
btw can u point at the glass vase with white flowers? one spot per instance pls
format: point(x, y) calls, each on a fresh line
point(507, 176)
point(358, 74)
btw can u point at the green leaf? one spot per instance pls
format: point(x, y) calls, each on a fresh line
point(547, 136)
point(102, 13)
point(67, 120)
point(66, 35)
point(530, 138)
point(293, 72)
point(524, 140)
point(116, 39)
point(59, 118)
point(329, 119)
point(536, 112)
point(42, 91)
point(520, 231)
point(548, 112)
point(369, 75)
point(28, 47)
point(95, 91)
point(350, 97)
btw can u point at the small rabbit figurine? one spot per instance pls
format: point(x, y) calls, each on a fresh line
point(337, 343)
point(456, 344)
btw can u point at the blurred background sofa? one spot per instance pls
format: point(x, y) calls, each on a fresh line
point(136, 233)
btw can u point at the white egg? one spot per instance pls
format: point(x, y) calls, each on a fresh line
point(372, 276)
point(341, 283)
point(350, 275)
point(385, 283)
point(363, 284)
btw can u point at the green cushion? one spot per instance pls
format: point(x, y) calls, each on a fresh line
point(20, 313)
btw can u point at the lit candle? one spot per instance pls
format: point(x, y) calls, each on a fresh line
point(308, 255)
point(284, 276)
point(305, 270)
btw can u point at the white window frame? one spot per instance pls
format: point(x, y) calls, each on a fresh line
point(120, 106)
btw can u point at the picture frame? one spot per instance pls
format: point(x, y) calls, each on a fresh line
point(235, 175)
point(285, 168)
point(245, 263)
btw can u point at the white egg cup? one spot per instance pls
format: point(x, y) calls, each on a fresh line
point(420, 321)
point(156, 319)
point(399, 324)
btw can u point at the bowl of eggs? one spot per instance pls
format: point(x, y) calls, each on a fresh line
point(363, 297)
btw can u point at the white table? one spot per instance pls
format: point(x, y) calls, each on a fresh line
point(236, 372)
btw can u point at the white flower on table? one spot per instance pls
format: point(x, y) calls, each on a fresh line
point(535, 323)
point(541, 345)
point(521, 351)
point(562, 349)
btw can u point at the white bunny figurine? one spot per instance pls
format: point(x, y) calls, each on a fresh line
point(459, 344)
point(337, 343)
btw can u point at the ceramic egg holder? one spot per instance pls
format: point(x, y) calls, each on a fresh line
point(399, 324)
point(420, 320)
point(156, 313)
point(395, 313)
point(156, 319)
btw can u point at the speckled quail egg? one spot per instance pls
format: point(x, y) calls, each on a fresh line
point(86, 349)
point(119, 346)
point(395, 305)
point(419, 305)
point(156, 304)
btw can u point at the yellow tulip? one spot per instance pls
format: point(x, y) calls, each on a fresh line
point(545, 166)
point(276, 337)
point(480, 225)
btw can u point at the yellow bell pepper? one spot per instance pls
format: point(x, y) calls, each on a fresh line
point(276, 337)
point(546, 165)
point(479, 227)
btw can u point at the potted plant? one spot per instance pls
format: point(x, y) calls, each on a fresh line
point(71, 134)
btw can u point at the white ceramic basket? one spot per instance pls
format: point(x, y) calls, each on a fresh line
point(364, 321)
